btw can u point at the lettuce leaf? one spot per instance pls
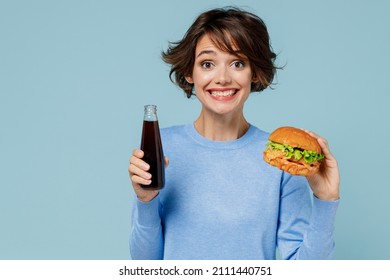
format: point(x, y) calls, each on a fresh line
point(308, 156)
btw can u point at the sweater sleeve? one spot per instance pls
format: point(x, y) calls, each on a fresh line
point(318, 242)
point(146, 240)
point(305, 226)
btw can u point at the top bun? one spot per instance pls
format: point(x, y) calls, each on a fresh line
point(296, 138)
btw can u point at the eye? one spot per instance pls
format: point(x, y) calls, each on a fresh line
point(206, 64)
point(238, 64)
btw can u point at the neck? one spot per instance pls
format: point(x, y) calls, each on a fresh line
point(220, 128)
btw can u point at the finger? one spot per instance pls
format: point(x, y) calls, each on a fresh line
point(136, 178)
point(139, 163)
point(140, 181)
point(138, 172)
point(138, 153)
point(166, 161)
point(325, 148)
point(322, 142)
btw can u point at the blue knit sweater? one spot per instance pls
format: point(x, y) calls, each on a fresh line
point(222, 201)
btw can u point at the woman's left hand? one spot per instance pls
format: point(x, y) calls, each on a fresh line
point(325, 184)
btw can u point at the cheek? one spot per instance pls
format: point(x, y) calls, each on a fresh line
point(202, 78)
point(244, 80)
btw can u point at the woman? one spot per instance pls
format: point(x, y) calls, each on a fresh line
point(221, 200)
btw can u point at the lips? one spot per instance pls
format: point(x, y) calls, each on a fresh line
point(222, 94)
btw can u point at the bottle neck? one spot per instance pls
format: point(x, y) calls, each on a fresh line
point(150, 113)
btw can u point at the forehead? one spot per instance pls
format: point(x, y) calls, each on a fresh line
point(204, 42)
point(209, 41)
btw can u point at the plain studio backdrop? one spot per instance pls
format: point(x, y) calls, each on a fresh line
point(75, 75)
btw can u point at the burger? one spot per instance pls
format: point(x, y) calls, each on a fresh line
point(294, 151)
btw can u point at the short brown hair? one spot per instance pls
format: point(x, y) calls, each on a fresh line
point(225, 26)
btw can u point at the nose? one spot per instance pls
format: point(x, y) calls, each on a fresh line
point(223, 76)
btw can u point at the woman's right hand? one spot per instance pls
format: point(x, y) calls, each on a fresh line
point(139, 175)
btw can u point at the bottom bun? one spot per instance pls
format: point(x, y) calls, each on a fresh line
point(277, 159)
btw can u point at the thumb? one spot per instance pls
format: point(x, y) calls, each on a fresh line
point(166, 161)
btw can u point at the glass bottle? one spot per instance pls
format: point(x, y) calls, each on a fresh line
point(152, 147)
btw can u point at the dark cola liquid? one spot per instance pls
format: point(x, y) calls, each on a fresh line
point(153, 154)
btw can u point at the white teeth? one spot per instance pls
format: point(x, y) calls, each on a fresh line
point(223, 93)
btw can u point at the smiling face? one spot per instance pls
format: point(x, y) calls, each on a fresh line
point(222, 81)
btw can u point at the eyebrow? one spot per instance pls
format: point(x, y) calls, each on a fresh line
point(206, 52)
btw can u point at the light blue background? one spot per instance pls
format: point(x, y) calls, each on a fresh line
point(74, 76)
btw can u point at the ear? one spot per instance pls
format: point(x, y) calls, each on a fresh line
point(255, 78)
point(189, 79)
